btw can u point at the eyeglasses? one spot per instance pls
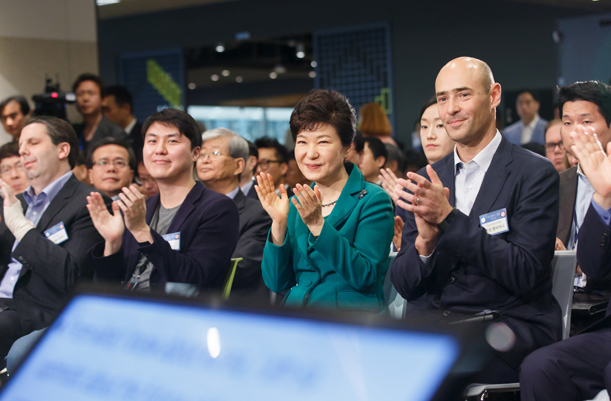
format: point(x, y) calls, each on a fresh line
point(215, 154)
point(264, 164)
point(119, 164)
point(5, 169)
point(551, 146)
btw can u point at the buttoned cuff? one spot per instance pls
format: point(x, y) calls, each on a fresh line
point(605, 215)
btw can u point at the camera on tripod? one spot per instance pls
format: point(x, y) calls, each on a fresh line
point(53, 101)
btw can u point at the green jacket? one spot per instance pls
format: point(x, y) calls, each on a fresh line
point(345, 266)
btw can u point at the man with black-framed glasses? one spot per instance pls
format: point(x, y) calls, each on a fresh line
point(112, 165)
point(554, 148)
point(273, 160)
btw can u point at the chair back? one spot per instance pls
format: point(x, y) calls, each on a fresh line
point(229, 280)
point(395, 303)
point(563, 277)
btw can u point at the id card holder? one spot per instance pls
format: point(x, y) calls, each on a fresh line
point(57, 234)
point(174, 240)
point(495, 222)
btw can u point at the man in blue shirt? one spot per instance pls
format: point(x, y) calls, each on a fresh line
point(580, 367)
point(48, 231)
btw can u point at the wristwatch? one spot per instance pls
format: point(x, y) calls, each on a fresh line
point(443, 226)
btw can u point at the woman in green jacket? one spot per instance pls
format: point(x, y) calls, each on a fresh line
point(328, 244)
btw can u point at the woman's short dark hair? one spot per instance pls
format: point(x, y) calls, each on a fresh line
point(59, 131)
point(183, 122)
point(428, 104)
point(590, 91)
point(323, 106)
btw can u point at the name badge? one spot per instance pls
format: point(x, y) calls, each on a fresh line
point(57, 234)
point(174, 240)
point(495, 222)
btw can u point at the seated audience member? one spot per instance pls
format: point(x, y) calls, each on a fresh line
point(355, 153)
point(374, 158)
point(328, 245)
point(373, 122)
point(554, 148)
point(293, 175)
point(220, 163)
point(11, 168)
point(395, 161)
point(531, 127)
point(112, 165)
point(247, 178)
point(80, 170)
point(187, 234)
point(90, 90)
point(50, 231)
point(273, 160)
point(118, 106)
point(414, 161)
point(579, 367)
point(149, 187)
point(14, 112)
point(436, 143)
point(452, 261)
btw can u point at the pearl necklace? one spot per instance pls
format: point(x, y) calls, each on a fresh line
point(330, 203)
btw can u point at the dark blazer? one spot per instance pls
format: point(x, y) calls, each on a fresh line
point(253, 192)
point(471, 271)
point(568, 196)
point(254, 226)
point(594, 252)
point(105, 128)
point(208, 226)
point(49, 270)
point(137, 141)
point(345, 266)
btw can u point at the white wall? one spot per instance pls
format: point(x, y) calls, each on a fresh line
point(38, 38)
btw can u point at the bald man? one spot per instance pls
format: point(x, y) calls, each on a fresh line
point(480, 226)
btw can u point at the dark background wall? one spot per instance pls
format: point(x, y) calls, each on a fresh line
point(514, 38)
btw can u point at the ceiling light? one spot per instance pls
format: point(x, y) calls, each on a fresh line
point(273, 75)
point(220, 48)
point(312, 74)
point(239, 79)
point(225, 73)
point(300, 50)
point(280, 69)
point(192, 86)
point(214, 77)
point(106, 2)
point(314, 64)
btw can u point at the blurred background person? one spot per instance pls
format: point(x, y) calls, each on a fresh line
point(355, 153)
point(14, 111)
point(112, 166)
point(247, 178)
point(554, 148)
point(373, 122)
point(90, 90)
point(273, 159)
point(118, 106)
point(80, 170)
point(11, 169)
point(149, 187)
point(294, 176)
point(531, 127)
point(374, 158)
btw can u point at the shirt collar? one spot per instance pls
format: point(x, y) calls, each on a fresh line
point(50, 191)
point(533, 123)
point(233, 193)
point(246, 187)
point(484, 157)
point(581, 175)
point(130, 126)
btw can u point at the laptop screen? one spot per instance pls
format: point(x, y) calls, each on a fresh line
point(112, 348)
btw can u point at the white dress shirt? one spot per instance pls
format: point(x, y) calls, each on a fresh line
point(527, 130)
point(130, 126)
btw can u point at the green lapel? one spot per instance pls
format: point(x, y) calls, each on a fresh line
point(348, 199)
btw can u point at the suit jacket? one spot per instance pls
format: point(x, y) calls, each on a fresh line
point(471, 271)
point(254, 226)
point(50, 270)
point(105, 128)
point(568, 196)
point(252, 193)
point(345, 266)
point(208, 226)
point(513, 133)
point(137, 141)
point(594, 252)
